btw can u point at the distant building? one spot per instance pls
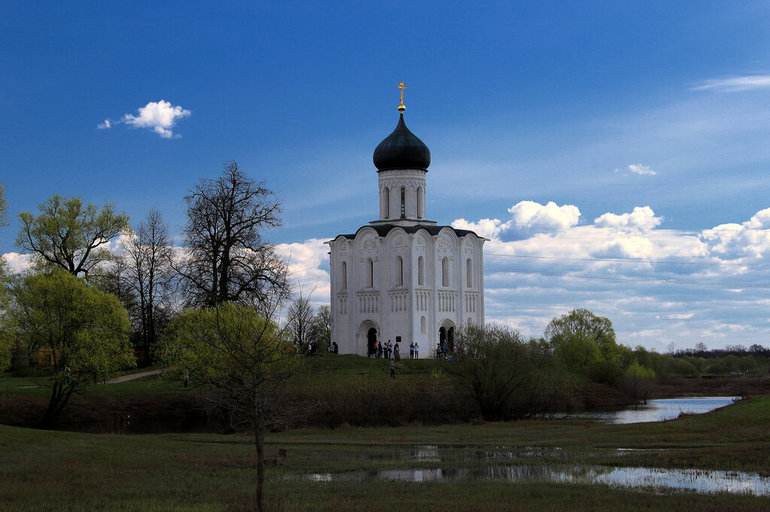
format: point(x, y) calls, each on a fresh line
point(403, 278)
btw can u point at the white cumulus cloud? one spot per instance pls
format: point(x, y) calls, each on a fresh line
point(532, 214)
point(158, 116)
point(306, 261)
point(636, 247)
point(488, 228)
point(18, 263)
point(656, 285)
point(642, 218)
point(748, 240)
point(527, 218)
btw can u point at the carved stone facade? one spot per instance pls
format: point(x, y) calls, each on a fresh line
point(402, 277)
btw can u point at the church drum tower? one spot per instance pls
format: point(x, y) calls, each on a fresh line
point(403, 278)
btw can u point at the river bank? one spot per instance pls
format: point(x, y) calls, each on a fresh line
point(334, 392)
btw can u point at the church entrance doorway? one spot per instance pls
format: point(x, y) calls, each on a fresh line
point(366, 335)
point(371, 338)
point(446, 333)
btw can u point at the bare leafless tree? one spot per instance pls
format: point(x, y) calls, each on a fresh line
point(322, 326)
point(228, 261)
point(148, 275)
point(299, 322)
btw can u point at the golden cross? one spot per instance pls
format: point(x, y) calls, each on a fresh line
point(403, 88)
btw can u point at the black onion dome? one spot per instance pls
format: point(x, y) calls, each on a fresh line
point(401, 150)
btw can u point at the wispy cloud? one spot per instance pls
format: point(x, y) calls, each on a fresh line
point(642, 170)
point(734, 84)
point(158, 116)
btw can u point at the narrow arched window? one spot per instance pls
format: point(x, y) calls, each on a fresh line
point(386, 198)
point(370, 273)
point(420, 271)
point(399, 271)
point(418, 202)
point(403, 203)
point(468, 273)
point(445, 272)
point(422, 325)
point(344, 275)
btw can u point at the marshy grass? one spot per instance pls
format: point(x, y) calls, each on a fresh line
point(48, 470)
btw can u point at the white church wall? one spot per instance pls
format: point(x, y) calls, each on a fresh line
point(391, 183)
point(395, 284)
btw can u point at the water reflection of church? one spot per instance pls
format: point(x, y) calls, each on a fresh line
point(403, 278)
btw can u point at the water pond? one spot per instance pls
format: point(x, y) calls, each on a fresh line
point(502, 461)
point(699, 481)
point(661, 410)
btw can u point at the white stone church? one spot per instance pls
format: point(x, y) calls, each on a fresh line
point(403, 278)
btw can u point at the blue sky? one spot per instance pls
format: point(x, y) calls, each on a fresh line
point(646, 124)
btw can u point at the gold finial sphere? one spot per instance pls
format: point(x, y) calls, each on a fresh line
point(401, 107)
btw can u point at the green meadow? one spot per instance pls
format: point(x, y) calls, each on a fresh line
point(55, 470)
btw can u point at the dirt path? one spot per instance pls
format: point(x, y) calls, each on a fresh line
point(134, 376)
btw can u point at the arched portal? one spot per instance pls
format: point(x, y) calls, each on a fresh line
point(446, 332)
point(367, 334)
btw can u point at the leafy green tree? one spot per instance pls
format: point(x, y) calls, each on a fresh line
point(84, 330)
point(684, 368)
point(244, 356)
point(638, 380)
point(581, 339)
point(6, 335)
point(500, 370)
point(70, 234)
point(747, 364)
point(6, 341)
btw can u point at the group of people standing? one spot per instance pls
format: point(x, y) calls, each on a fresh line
point(388, 350)
point(443, 350)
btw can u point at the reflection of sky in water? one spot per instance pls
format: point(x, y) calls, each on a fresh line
point(435, 453)
point(660, 410)
point(699, 481)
